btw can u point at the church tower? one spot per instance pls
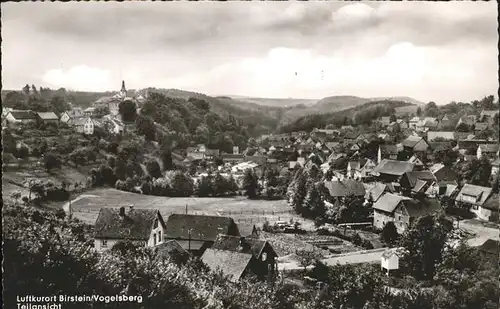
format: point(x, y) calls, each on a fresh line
point(123, 91)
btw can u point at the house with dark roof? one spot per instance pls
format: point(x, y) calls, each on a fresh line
point(419, 165)
point(392, 170)
point(441, 189)
point(341, 188)
point(415, 144)
point(173, 251)
point(401, 210)
point(416, 182)
point(141, 226)
point(364, 173)
point(84, 125)
point(262, 262)
point(377, 190)
point(480, 200)
point(443, 172)
point(196, 233)
point(387, 152)
point(47, 117)
point(351, 136)
point(20, 116)
point(480, 127)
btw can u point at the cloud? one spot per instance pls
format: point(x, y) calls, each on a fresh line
point(433, 51)
point(79, 78)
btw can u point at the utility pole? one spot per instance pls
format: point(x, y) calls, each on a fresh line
point(186, 209)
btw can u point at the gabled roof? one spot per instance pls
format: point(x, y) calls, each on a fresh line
point(436, 167)
point(48, 116)
point(419, 185)
point(23, 114)
point(491, 246)
point(389, 149)
point(480, 126)
point(421, 208)
point(232, 264)
point(212, 152)
point(345, 187)
point(136, 224)
point(426, 176)
point(492, 203)
point(490, 113)
point(171, 248)
point(414, 159)
point(240, 244)
point(204, 228)
point(80, 121)
point(393, 167)
point(411, 141)
point(351, 135)
point(331, 145)
point(475, 191)
point(389, 201)
point(376, 191)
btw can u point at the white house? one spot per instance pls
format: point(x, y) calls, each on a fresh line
point(20, 116)
point(390, 260)
point(84, 125)
point(140, 226)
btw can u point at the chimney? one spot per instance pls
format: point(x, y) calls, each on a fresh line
point(122, 212)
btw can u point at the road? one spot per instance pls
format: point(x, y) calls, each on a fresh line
point(66, 205)
point(482, 231)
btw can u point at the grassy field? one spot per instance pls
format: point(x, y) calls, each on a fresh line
point(245, 212)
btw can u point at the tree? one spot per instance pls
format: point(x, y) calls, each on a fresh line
point(26, 89)
point(482, 172)
point(166, 158)
point(219, 185)
point(463, 127)
point(127, 110)
point(424, 243)
point(51, 161)
point(153, 168)
point(15, 100)
point(306, 257)
point(58, 104)
point(392, 118)
point(145, 126)
point(250, 184)
point(419, 111)
point(314, 205)
point(182, 185)
point(204, 187)
point(389, 233)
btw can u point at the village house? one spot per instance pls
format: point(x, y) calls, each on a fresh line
point(351, 136)
point(47, 118)
point(384, 120)
point(341, 188)
point(84, 125)
point(442, 189)
point(419, 165)
point(488, 114)
point(232, 158)
point(445, 121)
point(364, 173)
point(391, 170)
point(20, 117)
point(196, 233)
point(427, 124)
point(387, 152)
point(480, 200)
point(469, 120)
point(443, 173)
point(414, 122)
point(171, 250)
point(416, 182)
point(69, 116)
point(416, 145)
point(142, 226)
point(403, 125)
point(480, 127)
point(377, 190)
point(113, 125)
point(238, 256)
point(352, 166)
point(489, 151)
point(401, 210)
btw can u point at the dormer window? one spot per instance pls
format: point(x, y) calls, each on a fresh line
point(155, 225)
point(264, 257)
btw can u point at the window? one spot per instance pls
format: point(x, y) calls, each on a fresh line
point(264, 257)
point(155, 225)
point(104, 243)
point(154, 239)
point(159, 237)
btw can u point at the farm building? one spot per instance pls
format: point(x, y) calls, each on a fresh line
point(391, 170)
point(196, 233)
point(143, 226)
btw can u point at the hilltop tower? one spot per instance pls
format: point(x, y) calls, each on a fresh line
point(123, 91)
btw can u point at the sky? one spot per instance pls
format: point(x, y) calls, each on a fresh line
point(431, 51)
